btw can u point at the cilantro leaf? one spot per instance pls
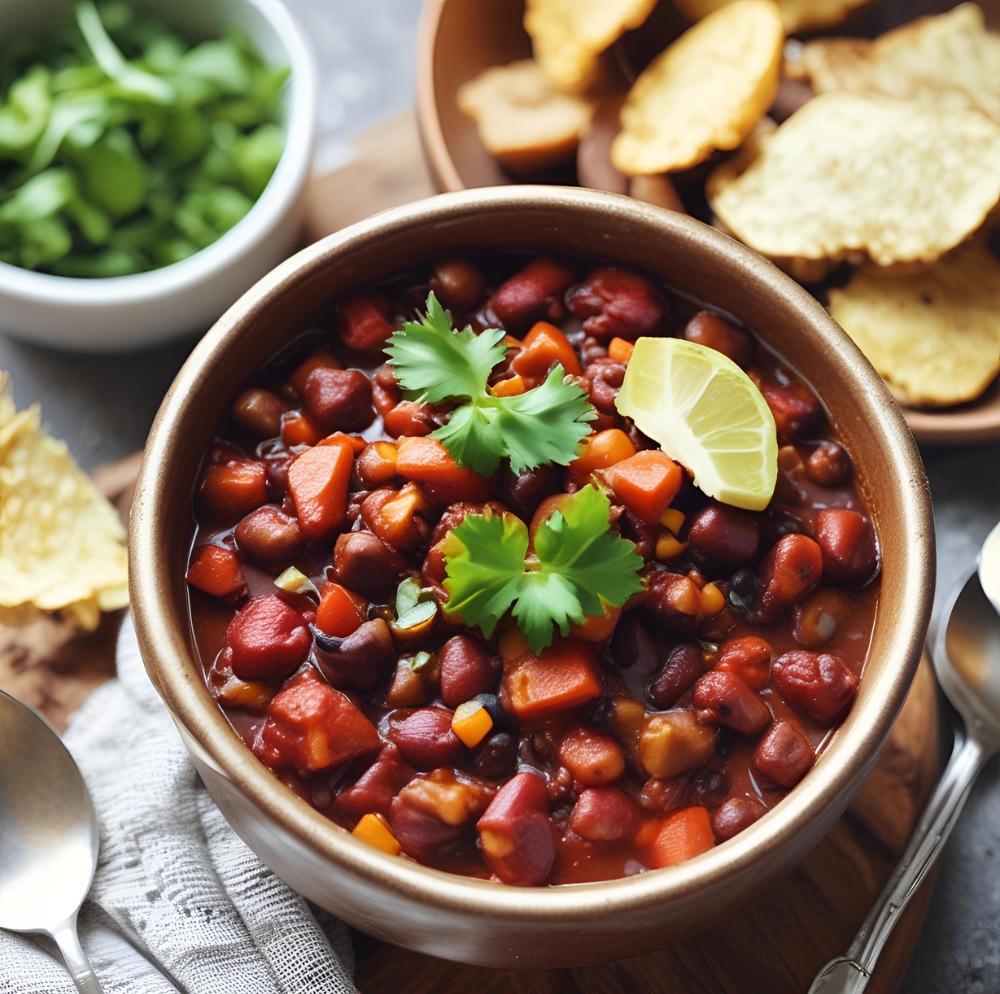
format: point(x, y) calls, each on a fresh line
point(578, 564)
point(435, 363)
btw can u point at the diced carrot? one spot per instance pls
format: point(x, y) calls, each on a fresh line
point(364, 321)
point(297, 428)
point(603, 450)
point(563, 676)
point(236, 488)
point(510, 387)
point(680, 837)
point(596, 627)
point(216, 571)
point(373, 829)
point(356, 442)
point(320, 359)
point(340, 611)
point(396, 517)
point(646, 483)
point(620, 350)
point(426, 460)
point(318, 480)
point(543, 347)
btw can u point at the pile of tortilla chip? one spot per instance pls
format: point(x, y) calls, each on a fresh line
point(868, 168)
point(61, 541)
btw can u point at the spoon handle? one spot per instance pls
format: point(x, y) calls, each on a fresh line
point(850, 974)
point(79, 967)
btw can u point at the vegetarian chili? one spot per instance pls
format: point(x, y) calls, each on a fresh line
point(464, 608)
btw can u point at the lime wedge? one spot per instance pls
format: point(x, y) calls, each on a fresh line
point(707, 414)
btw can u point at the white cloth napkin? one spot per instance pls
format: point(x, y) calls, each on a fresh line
point(179, 903)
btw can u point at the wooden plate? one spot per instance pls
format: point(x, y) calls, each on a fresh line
point(460, 38)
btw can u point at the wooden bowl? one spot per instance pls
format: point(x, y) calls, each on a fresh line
point(455, 917)
point(458, 39)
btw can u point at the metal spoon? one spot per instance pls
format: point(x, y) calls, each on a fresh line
point(48, 836)
point(967, 663)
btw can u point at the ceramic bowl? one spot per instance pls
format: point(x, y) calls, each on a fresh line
point(455, 917)
point(130, 312)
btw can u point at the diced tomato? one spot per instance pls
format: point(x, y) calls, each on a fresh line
point(310, 727)
point(341, 611)
point(216, 571)
point(426, 460)
point(236, 488)
point(318, 480)
point(646, 483)
point(680, 837)
point(543, 347)
point(364, 324)
point(562, 676)
point(603, 450)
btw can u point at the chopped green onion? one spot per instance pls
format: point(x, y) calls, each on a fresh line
point(296, 582)
point(421, 661)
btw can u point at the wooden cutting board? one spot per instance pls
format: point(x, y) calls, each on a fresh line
point(774, 946)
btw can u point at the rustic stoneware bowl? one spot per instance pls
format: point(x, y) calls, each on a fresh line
point(472, 920)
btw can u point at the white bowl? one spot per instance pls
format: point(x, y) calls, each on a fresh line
point(128, 312)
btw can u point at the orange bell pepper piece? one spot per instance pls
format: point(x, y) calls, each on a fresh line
point(542, 348)
point(680, 837)
point(620, 350)
point(646, 483)
point(318, 480)
point(563, 676)
point(341, 611)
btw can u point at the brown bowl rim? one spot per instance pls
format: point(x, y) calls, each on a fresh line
point(174, 671)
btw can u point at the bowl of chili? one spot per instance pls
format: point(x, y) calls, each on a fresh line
point(459, 650)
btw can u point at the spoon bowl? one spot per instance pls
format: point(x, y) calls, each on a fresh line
point(48, 835)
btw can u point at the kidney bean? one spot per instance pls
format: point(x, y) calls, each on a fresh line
point(592, 757)
point(604, 378)
point(717, 332)
point(683, 666)
point(362, 561)
point(776, 523)
point(710, 786)
point(433, 809)
point(590, 349)
point(734, 815)
point(457, 283)
point(819, 683)
point(796, 410)
point(749, 658)
point(616, 303)
point(268, 639)
point(339, 399)
point(672, 602)
point(725, 536)
point(784, 753)
point(269, 535)
point(535, 293)
point(363, 321)
point(828, 464)
point(398, 516)
point(425, 738)
point(604, 814)
point(454, 515)
point(259, 412)
point(722, 698)
point(374, 790)
point(517, 838)
point(359, 661)
point(789, 571)
point(815, 620)
point(276, 473)
point(631, 645)
point(467, 670)
point(847, 542)
point(495, 756)
point(524, 491)
point(410, 419)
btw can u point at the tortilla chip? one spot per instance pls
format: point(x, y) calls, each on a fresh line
point(568, 36)
point(798, 15)
point(61, 542)
point(934, 337)
point(705, 92)
point(523, 120)
point(951, 61)
point(851, 176)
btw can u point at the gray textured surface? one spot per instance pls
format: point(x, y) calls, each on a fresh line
point(104, 406)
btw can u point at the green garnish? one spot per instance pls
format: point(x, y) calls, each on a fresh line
point(577, 564)
point(296, 582)
point(435, 363)
point(125, 146)
point(414, 604)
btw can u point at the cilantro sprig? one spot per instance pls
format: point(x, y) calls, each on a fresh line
point(436, 364)
point(577, 563)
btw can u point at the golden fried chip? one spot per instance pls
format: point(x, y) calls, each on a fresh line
point(849, 176)
point(797, 15)
point(705, 92)
point(935, 336)
point(568, 36)
point(523, 120)
point(61, 542)
point(950, 60)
